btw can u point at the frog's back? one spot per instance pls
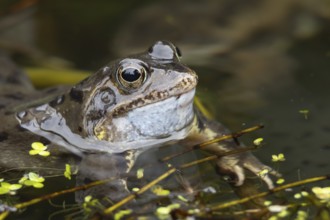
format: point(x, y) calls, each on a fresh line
point(16, 91)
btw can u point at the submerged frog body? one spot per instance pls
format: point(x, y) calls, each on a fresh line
point(133, 104)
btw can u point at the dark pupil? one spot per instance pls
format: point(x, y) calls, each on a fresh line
point(131, 74)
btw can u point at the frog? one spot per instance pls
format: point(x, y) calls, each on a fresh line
point(133, 104)
point(130, 105)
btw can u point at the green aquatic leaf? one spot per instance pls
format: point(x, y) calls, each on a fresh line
point(67, 172)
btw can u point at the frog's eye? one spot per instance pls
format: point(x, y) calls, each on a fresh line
point(131, 77)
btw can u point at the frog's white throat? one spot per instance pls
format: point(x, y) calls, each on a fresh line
point(154, 124)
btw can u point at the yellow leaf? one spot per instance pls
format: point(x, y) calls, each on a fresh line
point(88, 198)
point(35, 177)
point(280, 181)
point(159, 191)
point(15, 186)
point(44, 153)
point(67, 172)
point(119, 215)
point(139, 173)
point(38, 146)
point(4, 190)
point(34, 152)
point(5, 185)
point(258, 141)
point(38, 185)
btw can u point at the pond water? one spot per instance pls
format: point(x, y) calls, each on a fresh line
point(259, 62)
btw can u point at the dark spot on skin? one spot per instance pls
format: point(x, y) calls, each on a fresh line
point(16, 96)
point(95, 115)
point(76, 95)
point(135, 103)
point(178, 52)
point(150, 50)
point(200, 123)
point(3, 136)
point(57, 101)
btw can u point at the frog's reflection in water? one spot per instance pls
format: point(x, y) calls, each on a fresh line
point(123, 178)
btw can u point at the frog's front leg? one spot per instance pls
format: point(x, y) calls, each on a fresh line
point(233, 165)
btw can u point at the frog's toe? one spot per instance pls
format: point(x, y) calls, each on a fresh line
point(255, 166)
point(234, 166)
point(228, 166)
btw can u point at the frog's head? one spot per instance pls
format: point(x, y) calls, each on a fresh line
point(139, 101)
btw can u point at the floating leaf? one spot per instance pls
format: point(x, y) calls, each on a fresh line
point(164, 212)
point(139, 173)
point(40, 149)
point(301, 215)
point(159, 191)
point(9, 188)
point(278, 158)
point(44, 153)
point(15, 186)
point(305, 112)
point(38, 185)
point(322, 193)
point(4, 190)
point(35, 177)
point(67, 172)
point(258, 141)
point(182, 198)
point(38, 146)
point(267, 203)
point(32, 179)
point(88, 198)
point(280, 181)
point(119, 215)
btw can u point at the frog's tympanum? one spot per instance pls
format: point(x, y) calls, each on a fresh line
point(134, 104)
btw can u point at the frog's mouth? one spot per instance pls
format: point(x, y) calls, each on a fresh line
point(187, 85)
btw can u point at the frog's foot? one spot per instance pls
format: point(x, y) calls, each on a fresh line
point(234, 165)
